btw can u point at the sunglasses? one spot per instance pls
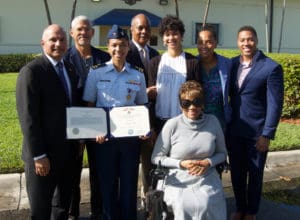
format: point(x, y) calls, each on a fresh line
point(185, 103)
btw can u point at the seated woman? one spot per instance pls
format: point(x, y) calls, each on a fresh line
point(190, 145)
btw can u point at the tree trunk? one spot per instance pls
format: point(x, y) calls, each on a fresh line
point(206, 13)
point(72, 17)
point(47, 12)
point(177, 8)
point(281, 25)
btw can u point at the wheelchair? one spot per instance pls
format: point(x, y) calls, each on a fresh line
point(156, 208)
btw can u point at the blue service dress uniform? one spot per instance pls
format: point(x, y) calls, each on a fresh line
point(117, 158)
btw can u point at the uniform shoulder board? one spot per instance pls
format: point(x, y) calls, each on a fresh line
point(98, 65)
point(137, 68)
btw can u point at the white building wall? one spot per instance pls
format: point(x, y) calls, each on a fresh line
point(22, 22)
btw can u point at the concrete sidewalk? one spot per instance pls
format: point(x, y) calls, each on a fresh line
point(280, 166)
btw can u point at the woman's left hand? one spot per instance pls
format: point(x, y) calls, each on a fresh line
point(203, 166)
point(195, 167)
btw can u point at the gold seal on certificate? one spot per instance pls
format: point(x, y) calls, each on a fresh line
point(84, 122)
point(129, 121)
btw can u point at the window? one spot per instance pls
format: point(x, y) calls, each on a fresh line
point(153, 40)
point(199, 25)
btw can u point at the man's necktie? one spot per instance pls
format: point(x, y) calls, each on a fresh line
point(144, 58)
point(63, 80)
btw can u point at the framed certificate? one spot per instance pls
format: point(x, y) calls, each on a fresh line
point(85, 123)
point(129, 121)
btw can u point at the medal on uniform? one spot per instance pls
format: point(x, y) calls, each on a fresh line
point(128, 97)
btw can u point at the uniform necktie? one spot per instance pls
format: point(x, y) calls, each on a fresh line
point(62, 77)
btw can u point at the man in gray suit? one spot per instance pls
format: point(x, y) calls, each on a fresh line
point(45, 87)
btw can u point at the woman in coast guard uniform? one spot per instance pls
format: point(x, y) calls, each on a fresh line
point(113, 84)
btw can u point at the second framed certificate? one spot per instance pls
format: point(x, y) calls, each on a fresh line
point(129, 121)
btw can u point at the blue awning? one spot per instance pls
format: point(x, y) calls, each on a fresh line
point(123, 17)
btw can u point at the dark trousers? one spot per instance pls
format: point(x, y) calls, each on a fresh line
point(40, 191)
point(117, 166)
point(247, 169)
point(96, 197)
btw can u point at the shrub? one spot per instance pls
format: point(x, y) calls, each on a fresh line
point(14, 62)
point(289, 62)
point(291, 68)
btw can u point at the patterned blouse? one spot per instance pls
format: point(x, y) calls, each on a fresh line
point(213, 94)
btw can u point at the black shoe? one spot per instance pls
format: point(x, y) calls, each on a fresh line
point(71, 217)
point(95, 216)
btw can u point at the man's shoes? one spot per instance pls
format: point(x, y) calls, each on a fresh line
point(71, 217)
point(91, 217)
point(237, 216)
point(249, 217)
point(95, 216)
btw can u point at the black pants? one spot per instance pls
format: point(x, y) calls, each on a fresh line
point(40, 190)
point(96, 197)
point(247, 169)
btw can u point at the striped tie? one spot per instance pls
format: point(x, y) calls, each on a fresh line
point(144, 58)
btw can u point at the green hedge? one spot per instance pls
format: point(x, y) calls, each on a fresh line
point(289, 62)
point(14, 62)
point(291, 68)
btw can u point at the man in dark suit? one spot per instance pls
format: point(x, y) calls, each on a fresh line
point(83, 55)
point(45, 87)
point(256, 99)
point(141, 33)
point(139, 54)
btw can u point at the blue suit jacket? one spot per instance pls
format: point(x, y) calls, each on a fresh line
point(257, 105)
point(74, 58)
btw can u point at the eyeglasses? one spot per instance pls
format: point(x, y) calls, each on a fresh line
point(185, 103)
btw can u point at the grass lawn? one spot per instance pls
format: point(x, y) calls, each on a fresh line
point(287, 137)
point(10, 134)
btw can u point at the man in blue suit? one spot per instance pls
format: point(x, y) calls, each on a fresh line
point(256, 98)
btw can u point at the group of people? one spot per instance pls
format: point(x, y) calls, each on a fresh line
point(200, 108)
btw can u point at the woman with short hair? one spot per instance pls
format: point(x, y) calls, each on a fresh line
point(190, 145)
